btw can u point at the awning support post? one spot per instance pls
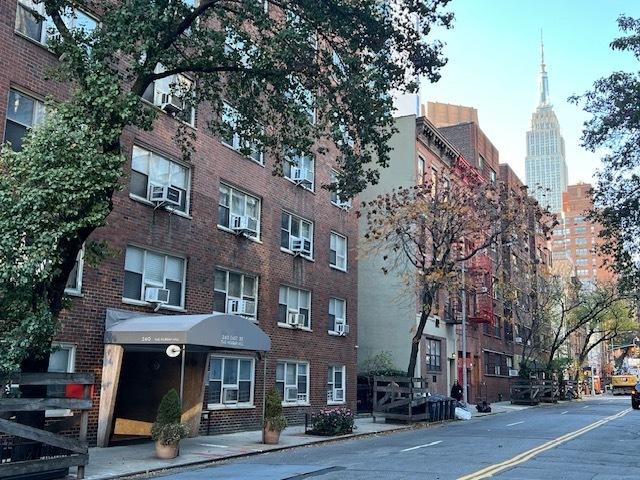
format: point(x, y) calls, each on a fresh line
point(184, 347)
point(264, 386)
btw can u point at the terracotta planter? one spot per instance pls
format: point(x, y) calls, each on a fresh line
point(167, 452)
point(270, 436)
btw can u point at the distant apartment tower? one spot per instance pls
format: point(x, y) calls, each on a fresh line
point(575, 238)
point(446, 114)
point(546, 167)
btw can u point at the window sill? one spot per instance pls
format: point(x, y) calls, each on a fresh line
point(254, 320)
point(73, 293)
point(140, 303)
point(228, 230)
point(286, 325)
point(153, 105)
point(344, 208)
point(171, 210)
point(216, 407)
point(33, 41)
point(310, 190)
point(335, 403)
point(296, 404)
point(231, 147)
point(333, 267)
point(290, 252)
point(333, 333)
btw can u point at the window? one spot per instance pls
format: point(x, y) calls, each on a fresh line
point(300, 170)
point(237, 139)
point(238, 210)
point(496, 327)
point(581, 241)
point(420, 170)
point(296, 235)
point(148, 169)
point(581, 252)
point(61, 360)
point(509, 362)
point(337, 314)
point(292, 382)
point(230, 381)
point(335, 384)
point(338, 252)
point(480, 162)
point(23, 112)
point(493, 363)
point(303, 98)
point(578, 219)
point(432, 349)
point(235, 293)
point(173, 95)
point(74, 282)
point(492, 176)
point(580, 229)
point(582, 261)
point(36, 29)
point(434, 181)
point(147, 269)
point(294, 301)
point(583, 272)
point(336, 199)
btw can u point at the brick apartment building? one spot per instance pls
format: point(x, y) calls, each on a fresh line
point(293, 262)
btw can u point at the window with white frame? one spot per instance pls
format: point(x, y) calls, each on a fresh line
point(231, 381)
point(23, 112)
point(294, 304)
point(235, 293)
point(432, 353)
point(337, 315)
point(303, 98)
point(144, 269)
point(239, 211)
point(296, 235)
point(30, 24)
point(300, 170)
point(292, 382)
point(173, 95)
point(74, 282)
point(420, 168)
point(151, 171)
point(61, 360)
point(338, 251)
point(335, 384)
point(336, 199)
point(236, 139)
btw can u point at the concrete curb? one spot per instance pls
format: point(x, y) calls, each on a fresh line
point(163, 470)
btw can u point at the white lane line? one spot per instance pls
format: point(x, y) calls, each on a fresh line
point(586, 406)
point(566, 411)
point(514, 423)
point(422, 446)
point(213, 445)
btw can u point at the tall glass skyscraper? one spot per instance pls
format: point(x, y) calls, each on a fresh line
point(546, 168)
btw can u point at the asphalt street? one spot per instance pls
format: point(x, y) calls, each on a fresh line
point(594, 439)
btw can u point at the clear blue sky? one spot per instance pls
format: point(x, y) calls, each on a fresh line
point(494, 60)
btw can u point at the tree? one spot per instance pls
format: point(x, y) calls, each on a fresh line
point(614, 128)
point(427, 232)
point(297, 74)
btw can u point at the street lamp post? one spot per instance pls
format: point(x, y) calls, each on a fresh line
point(464, 337)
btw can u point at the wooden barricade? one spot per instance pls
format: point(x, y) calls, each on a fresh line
point(400, 398)
point(549, 391)
point(525, 392)
point(70, 452)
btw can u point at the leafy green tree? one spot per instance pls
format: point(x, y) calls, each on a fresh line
point(614, 128)
point(300, 74)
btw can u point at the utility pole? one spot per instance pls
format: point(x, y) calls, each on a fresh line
point(464, 336)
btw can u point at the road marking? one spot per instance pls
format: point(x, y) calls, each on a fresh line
point(515, 423)
point(586, 406)
point(422, 446)
point(566, 411)
point(529, 454)
point(213, 445)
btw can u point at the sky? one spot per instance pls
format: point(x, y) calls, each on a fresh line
point(494, 64)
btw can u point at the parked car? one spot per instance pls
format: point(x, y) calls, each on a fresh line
point(635, 397)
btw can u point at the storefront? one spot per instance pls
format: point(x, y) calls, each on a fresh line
point(147, 355)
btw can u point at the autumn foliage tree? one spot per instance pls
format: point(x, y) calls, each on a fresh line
point(295, 75)
point(427, 232)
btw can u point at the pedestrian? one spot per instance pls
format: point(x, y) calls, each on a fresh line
point(456, 391)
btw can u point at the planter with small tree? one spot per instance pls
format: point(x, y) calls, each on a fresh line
point(168, 430)
point(274, 420)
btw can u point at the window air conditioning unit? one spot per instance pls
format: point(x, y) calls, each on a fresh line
point(344, 204)
point(156, 295)
point(518, 340)
point(171, 103)
point(229, 395)
point(165, 194)
point(342, 328)
point(302, 176)
point(291, 394)
point(513, 372)
point(295, 319)
point(243, 224)
point(241, 307)
point(300, 246)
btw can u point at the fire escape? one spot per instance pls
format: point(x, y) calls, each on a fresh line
point(482, 282)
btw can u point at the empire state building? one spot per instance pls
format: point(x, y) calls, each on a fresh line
point(546, 168)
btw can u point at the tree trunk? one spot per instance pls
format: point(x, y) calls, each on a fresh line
point(427, 301)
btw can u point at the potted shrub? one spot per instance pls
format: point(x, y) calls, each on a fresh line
point(167, 431)
point(274, 420)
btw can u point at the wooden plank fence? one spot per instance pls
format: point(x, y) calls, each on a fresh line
point(400, 398)
point(76, 452)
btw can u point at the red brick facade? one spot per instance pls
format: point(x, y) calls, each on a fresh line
point(204, 246)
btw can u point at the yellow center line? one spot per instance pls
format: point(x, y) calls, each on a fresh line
point(529, 454)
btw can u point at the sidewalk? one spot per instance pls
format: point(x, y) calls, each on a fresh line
point(116, 462)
